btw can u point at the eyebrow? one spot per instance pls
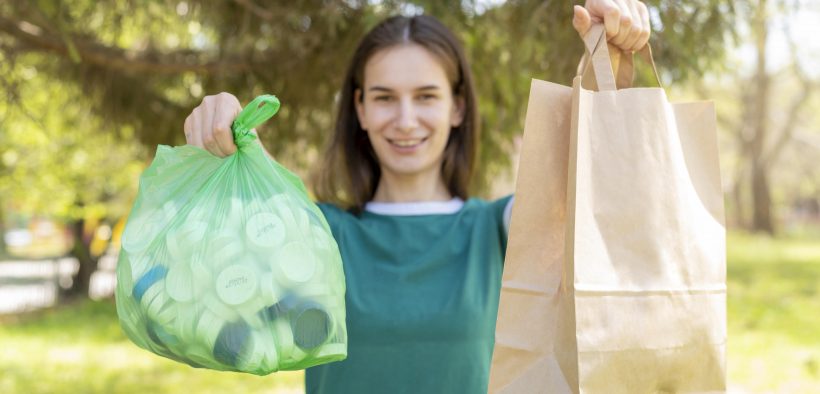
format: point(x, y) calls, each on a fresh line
point(386, 89)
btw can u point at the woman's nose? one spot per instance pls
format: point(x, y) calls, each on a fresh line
point(408, 120)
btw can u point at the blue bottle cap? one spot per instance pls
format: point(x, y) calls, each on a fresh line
point(232, 340)
point(153, 275)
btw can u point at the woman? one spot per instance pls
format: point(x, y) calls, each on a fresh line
point(422, 260)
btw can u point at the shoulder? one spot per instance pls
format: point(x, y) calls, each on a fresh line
point(494, 207)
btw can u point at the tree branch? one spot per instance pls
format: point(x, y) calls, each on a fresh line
point(117, 58)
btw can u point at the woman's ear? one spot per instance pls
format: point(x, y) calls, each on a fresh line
point(358, 100)
point(457, 117)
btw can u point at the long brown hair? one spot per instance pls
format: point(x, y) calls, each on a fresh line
point(350, 172)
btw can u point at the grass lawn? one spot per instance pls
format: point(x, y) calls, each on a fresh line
point(774, 314)
point(80, 349)
point(774, 338)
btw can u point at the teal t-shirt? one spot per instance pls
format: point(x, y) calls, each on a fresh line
point(422, 300)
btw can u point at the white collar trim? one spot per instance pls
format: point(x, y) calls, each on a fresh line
point(415, 208)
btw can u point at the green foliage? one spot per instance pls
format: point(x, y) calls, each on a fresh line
point(58, 158)
point(147, 64)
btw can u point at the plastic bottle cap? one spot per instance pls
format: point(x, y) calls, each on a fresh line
point(271, 293)
point(265, 231)
point(284, 338)
point(159, 309)
point(202, 279)
point(179, 282)
point(224, 248)
point(200, 355)
point(185, 240)
point(312, 326)
point(268, 348)
point(141, 228)
point(302, 220)
point(125, 280)
point(207, 329)
point(236, 215)
point(332, 350)
point(236, 284)
point(232, 340)
point(252, 354)
point(295, 262)
point(154, 275)
point(319, 237)
point(215, 305)
point(186, 321)
point(249, 311)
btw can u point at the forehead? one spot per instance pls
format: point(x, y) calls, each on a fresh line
point(404, 67)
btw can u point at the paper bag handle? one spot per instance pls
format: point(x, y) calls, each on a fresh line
point(598, 51)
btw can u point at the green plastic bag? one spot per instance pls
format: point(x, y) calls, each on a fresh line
point(226, 263)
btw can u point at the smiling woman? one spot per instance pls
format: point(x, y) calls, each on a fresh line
point(407, 125)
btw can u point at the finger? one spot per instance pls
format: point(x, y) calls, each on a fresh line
point(187, 129)
point(610, 11)
point(224, 115)
point(196, 128)
point(635, 30)
point(581, 20)
point(624, 25)
point(646, 27)
point(208, 130)
point(637, 26)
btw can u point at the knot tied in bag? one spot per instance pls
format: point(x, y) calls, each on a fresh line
point(257, 112)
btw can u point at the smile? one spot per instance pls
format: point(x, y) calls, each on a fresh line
point(408, 143)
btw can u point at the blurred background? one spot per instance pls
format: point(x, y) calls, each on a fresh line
point(90, 88)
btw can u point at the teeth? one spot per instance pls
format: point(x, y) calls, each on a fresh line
point(406, 142)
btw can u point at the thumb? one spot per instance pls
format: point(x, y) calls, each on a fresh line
point(581, 20)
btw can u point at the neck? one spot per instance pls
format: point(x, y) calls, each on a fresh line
point(411, 188)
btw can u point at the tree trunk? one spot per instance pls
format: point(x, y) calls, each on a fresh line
point(88, 263)
point(761, 194)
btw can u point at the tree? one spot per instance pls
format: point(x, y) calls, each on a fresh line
point(142, 66)
point(58, 160)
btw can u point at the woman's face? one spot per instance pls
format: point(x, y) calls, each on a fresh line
point(407, 108)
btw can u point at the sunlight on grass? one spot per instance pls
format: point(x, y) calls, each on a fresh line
point(774, 337)
point(774, 314)
point(80, 349)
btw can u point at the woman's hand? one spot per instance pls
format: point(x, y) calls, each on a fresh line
point(209, 125)
point(626, 21)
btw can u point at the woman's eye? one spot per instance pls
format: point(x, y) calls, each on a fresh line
point(427, 97)
point(383, 98)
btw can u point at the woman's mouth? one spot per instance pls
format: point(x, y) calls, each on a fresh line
point(407, 144)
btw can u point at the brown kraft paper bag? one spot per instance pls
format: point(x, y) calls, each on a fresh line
point(614, 278)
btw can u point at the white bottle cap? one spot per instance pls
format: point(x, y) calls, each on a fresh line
point(200, 355)
point(186, 321)
point(207, 329)
point(237, 283)
point(265, 231)
point(270, 355)
point(160, 310)
point(284, 338)
point(186, 239)
point(224, 248)
point(249, 311)
point(294, 264)
point(141, 229)
point(236, 215)
point(332, 350)
point(269, 288)
point(179, 282)
point(216, 306)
